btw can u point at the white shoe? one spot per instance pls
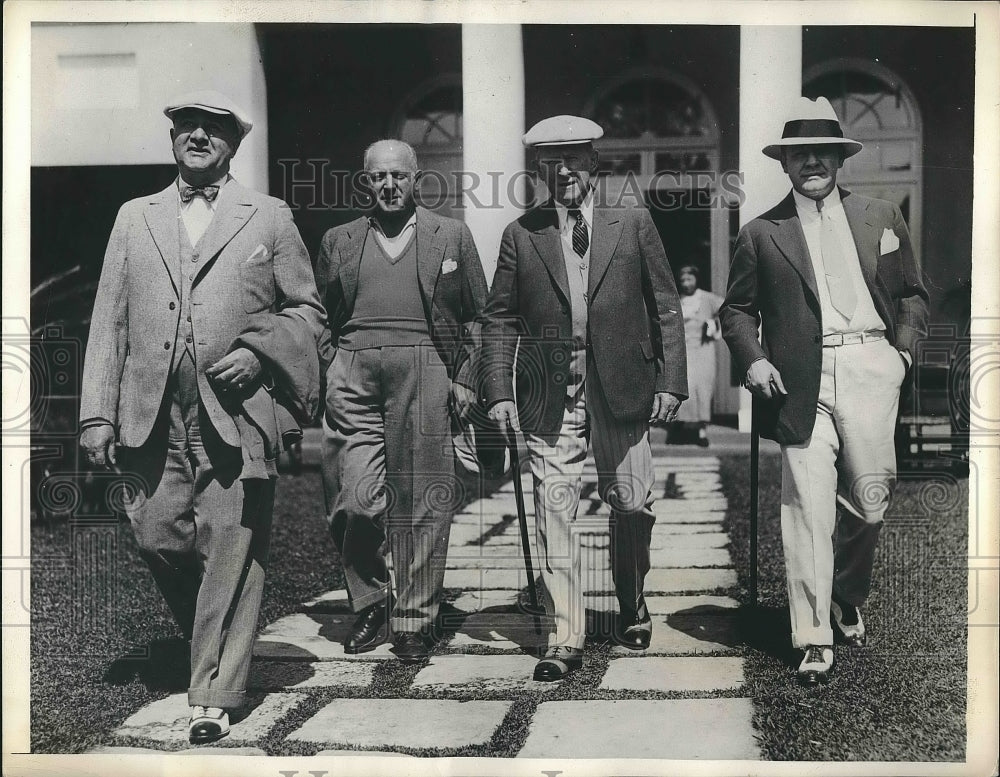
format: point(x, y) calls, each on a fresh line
point(851, 633)
point(816, 666)
point(207, 724)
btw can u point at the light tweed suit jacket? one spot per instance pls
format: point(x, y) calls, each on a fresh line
point(253, 286)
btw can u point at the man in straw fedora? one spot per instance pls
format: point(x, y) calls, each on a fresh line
point(600, 357)
point(831, 277)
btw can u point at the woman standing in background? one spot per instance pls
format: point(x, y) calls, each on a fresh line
point(701, 330)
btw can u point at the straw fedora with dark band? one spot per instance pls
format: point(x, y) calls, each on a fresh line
point(813, 123)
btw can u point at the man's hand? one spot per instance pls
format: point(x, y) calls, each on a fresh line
point(665, 406)
point(764, 380)
point(236, 370)
point(462, 401)
point(504, 414)
point(98, 443)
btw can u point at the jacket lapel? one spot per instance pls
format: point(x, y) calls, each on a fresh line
point(234, 211)
point(350, 259)
point(547, 244)
point(791, 242)
point(161, 214)
point(864, 232)
point(430, 254)
point(607, 232)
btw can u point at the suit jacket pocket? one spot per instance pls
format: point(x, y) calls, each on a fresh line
point(257, 277)
point(890, 270)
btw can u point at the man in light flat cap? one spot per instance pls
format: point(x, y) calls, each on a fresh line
point(202, 358)
point(588, 291)
point(831, 277)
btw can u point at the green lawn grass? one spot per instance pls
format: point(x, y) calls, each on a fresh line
point(903, 697)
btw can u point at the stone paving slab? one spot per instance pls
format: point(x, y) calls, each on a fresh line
point(478, 579)
point(301, 674)
point(664, 541)
point(666, 674)
point(474, 601)
point(501, 630)
point(674, 634)
point(331, 601)
point(415, 723)
point(166, 720)
point(480, 673)
point(678, 580)
point(716, 729)
point(690, 557)
point(482, 558)
point(673, 529)
point(690, 510)
point(313, 636)
point(669, 605)
point(254, 751)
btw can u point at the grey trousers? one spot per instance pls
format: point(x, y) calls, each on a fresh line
point(389, 453)
point(205, 535)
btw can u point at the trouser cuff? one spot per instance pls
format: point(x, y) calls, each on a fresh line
point(216, 697)
point(358, 603)
point(816, 636)
point(410, 624)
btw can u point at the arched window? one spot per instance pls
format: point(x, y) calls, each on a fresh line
point(876, 108)
point(655, 122)
point(430, 120)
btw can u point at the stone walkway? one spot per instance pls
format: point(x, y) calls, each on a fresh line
point(682, 698)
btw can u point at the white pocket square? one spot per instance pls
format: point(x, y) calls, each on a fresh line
point(888, 242)
point(258, 253)
point(449, 265)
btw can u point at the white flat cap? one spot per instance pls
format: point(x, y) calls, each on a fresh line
point(213, 102)
point(562, 130)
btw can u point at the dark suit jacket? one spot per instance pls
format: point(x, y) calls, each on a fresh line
point(252, 287)
point(452, 299)
point(772, 280)
point(635, 328)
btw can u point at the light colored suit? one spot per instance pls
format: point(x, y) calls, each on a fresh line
point(634, 347)
point(199, 461)
point(836, 424)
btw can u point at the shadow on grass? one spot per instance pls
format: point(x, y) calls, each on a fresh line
point(767, 629)
point(163, 665)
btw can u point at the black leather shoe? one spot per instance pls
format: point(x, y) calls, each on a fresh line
point(558, 662)
point(635, 629)
point(848, 627)
point(816, 666)
point(410, 647)
point(370, 630)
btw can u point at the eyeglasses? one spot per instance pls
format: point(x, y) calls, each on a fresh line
point(381, 176)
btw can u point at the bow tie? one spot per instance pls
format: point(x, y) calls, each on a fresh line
point(190, 192)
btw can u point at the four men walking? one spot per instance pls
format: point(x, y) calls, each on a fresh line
point(208, 342)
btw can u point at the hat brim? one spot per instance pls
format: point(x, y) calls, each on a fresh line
point(244, 125)
point(558, 143)
point(851, 147)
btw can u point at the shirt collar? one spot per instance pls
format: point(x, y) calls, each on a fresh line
point(804, 205)
point(411, 223)
point(586, 210)
point(221, 182)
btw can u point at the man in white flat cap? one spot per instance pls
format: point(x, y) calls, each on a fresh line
point(588, 291)
point(831, 277)
point(202, 357)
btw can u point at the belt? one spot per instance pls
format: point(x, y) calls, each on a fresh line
point(853, 338)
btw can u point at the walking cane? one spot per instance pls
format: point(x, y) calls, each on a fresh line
point(754, 494)
point(522, 518)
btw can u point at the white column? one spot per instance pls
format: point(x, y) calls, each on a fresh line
point(493, 123)
point(770, 83)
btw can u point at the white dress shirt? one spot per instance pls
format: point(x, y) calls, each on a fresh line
point(198, 212)
point(394, 246)
point(865, 317)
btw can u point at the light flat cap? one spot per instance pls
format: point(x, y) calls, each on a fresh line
point(210, 101)
point(562, 130)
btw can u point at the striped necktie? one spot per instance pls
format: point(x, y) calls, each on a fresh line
point(838, 282)
point(581, 238)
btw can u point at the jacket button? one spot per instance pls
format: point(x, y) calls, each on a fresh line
point(166, 346)
point(173, 305)
point(187, 339)
point(189, 319)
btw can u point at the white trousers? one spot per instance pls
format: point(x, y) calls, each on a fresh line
point(625, 482)
point(850, 460)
